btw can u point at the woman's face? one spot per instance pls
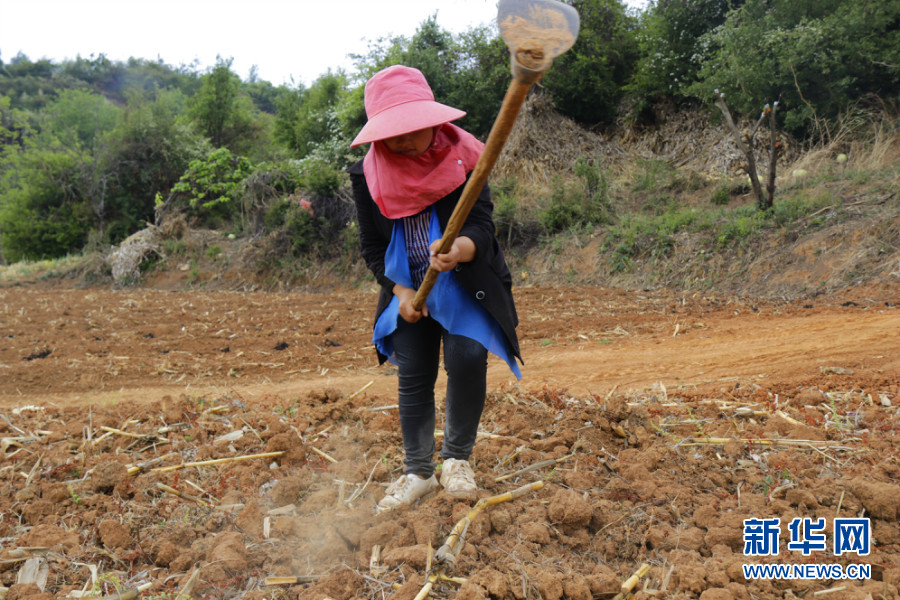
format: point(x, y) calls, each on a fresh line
point(411, 144)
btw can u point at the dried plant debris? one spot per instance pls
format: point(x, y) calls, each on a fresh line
point(581, 496)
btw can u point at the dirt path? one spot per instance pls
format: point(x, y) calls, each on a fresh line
point(85, 346)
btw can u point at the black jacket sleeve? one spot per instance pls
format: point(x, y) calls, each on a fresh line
point(373, 241)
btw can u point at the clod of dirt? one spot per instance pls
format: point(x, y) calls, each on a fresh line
point(717, 594)
point(343, 583)
point(27, 591)
point(879, 499)
point(493, 582)
point(290, 444)
point(53, 537)
point(227, 554)
point(250, 519)
point(570, 510)
point(414, 556)
point(114, 534)
point(107, 475)
point(44, 353)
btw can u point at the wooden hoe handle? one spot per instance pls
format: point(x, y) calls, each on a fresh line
point(512, 102)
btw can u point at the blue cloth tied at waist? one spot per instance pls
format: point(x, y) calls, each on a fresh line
point(449, 303)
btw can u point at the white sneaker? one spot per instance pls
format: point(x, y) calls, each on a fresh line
point(406, 490)
point(458, 479)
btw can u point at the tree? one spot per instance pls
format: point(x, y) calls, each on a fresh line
point(669, 38)
point(223, 113)
point(154, 147)
point(586, 82)
point(306, 116)
point(819, 56)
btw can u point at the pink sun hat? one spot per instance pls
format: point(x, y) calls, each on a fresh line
point(399, 100)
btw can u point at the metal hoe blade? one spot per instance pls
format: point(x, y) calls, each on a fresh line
point(536, 32)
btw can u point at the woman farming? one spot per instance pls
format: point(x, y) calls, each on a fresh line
point(405, 190)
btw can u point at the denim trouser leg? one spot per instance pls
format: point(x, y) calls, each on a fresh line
point(417, 351)
point(465, 361)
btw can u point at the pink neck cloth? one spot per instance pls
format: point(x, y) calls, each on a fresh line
point(402, 185)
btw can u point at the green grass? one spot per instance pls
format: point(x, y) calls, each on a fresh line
point(40, 269)
point(641, 235)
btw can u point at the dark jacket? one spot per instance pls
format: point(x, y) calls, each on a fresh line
point(486, 277)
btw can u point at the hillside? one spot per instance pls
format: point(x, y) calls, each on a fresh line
point(834, 228)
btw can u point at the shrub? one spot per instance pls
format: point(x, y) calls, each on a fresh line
point(321, 177)
point(578, 203)
point(209, 188)
point(653, 174)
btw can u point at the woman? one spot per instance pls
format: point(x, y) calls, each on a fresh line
point(405, 190)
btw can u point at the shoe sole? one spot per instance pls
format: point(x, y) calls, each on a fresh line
point(463, 495)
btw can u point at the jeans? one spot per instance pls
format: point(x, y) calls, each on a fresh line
point(417, 351)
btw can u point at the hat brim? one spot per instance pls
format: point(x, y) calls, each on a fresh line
point(406, 118)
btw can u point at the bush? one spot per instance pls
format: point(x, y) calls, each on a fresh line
point(209, 189)
point(653, 174)
point(722, 194)
point(41, 215)
point(579, 203)
point(320, 177)
point(292, 219)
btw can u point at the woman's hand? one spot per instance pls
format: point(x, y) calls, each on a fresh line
point(462, 250)
point(406, 296)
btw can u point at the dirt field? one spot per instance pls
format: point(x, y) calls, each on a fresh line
point(673, 418)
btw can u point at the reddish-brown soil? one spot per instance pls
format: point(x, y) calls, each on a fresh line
point(628, 387)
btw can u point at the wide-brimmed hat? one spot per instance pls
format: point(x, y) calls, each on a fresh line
point(399, 100)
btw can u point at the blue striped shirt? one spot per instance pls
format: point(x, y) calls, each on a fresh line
point(415, 230)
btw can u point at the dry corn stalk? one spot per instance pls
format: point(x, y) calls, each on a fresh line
point(182, 495)
point(290, 580)
point(630, 583)
point(534, 467)
point(445, 557)
point(217, 461)
point(761, 442)
point(322, 454)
